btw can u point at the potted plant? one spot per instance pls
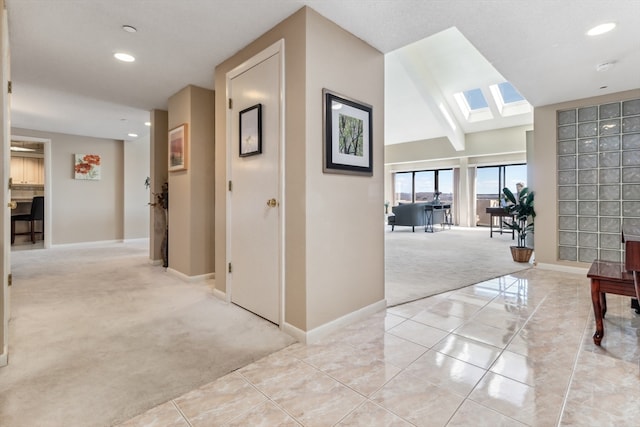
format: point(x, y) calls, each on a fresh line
point(522, 222)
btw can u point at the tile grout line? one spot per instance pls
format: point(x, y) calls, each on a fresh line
point(573, 370)
point(186, 419)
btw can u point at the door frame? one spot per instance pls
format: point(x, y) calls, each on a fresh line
point(275, 49)
point(47, 184)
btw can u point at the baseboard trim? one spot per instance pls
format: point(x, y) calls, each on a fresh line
point(191, 279)
point(4, 359)
point(563, 268)
point(85, 244)
point(322, 331)
point(137, 240)
point(219, 294)
point(155, 261)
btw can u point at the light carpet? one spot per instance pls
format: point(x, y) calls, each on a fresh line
point(98, 335)
point(419, 264)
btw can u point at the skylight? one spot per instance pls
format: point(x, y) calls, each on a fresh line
point(475, 99)
point(509, 93)
point(508, 100)
point(473, 105)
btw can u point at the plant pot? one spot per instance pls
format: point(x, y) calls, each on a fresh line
point(520, 254)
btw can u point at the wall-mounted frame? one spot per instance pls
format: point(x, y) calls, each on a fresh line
point(348, 130)
point(178, 148)
point(87, 167)
point(251, 131)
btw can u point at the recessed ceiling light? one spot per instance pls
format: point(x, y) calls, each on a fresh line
point(603, 87)
point(601, 29)
point(605, 66)
point(129, 28)
point(147, 123)
point(133, 135)
point(124, 57)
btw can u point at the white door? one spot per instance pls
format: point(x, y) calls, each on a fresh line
point(255, 201)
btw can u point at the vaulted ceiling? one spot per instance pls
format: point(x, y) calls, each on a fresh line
point(65, 78)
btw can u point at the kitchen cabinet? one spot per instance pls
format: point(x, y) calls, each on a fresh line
point(27, 170)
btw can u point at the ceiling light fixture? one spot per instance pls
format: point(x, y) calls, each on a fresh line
point(124, 57)
point(147, 123)
point(129, 28)
point(605, 66)
point(601, 29)
point(13, 148)
point(133, 135)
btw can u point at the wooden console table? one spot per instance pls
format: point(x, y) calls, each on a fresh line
point(608, 277)
point(499, 212)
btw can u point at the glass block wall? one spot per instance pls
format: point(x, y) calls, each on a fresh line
point(598, 179)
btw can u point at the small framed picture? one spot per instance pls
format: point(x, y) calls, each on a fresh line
point(178, 148)
point(348, 129)
point(251, 131)
point(87, 166)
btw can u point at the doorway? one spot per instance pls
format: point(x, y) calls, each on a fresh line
point(34, 181)
point(254, 170)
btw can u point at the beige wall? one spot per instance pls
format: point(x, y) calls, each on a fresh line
point(544, 173)
point(84, 211)
point(136, 196)
point(345, 243)
point(191, 191)
point(333, 267)
point(480, 148)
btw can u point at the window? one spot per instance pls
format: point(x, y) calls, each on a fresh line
point(475, 99)
point(473, 105)
point(403, 187)
point(425, 184)
point(420, 186)
point(508, 100)
point(509, 93)
point(490, 180)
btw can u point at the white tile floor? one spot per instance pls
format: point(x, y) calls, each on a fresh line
point(511, 351)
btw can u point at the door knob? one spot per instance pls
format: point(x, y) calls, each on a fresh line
point(272, 203)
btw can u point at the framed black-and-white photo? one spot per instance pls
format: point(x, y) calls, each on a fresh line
point(251, 131)
point(348, 129)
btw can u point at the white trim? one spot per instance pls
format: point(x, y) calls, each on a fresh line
point(328, 328)
point(219, 294)
point(155, 261)
point(190, 279)
point(48, 192)
point(137, 240)
point(275, 49)
point(563, 268)
point(4, 357)
point(86, 244)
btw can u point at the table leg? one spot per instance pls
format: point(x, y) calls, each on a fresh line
point(491, 227)
point(429, 221)
point(597, 311)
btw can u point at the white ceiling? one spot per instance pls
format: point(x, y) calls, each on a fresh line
point(66, 80)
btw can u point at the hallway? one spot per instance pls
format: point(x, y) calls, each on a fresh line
point(98, 335)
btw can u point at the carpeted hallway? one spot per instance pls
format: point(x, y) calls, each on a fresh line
point(98, 335)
